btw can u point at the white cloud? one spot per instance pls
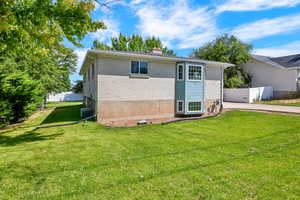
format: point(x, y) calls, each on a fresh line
point(104, 35)
point(81, 54)
point(250, 5)
point(137, 1)
point(282, 50)
point(267, 27)
point(177, 25)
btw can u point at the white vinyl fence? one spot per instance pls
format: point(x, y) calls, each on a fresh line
point(248, 95)
point(65, 96)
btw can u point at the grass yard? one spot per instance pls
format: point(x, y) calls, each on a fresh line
point(239, 155)
point(295, 102)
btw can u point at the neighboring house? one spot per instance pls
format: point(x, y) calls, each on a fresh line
point(281, 73)
point(143, 86)
point(65, 96)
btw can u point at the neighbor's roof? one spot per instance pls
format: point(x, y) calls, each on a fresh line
point(91, 55)
point(284, 62)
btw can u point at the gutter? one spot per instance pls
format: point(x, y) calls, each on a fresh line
point(149, 56)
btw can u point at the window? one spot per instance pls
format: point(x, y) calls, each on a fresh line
point(143, 68)
point(139, 67)
point(194, 106)
point(179, 106)
point(180, 72)
point(195, 72)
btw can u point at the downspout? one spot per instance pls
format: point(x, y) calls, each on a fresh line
point(222, 89)
point(97, 95)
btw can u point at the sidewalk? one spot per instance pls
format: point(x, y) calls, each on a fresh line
point(262, 107)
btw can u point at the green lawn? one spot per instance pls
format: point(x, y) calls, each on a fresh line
point(62, 104)
point(274, 102)
point(239, 155)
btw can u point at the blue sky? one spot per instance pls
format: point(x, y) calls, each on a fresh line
point(271, 26)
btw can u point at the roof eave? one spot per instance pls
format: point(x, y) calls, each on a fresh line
point(155, 57)
point(273, 65)
point(293, 68)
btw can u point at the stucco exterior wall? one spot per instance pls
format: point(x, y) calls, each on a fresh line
point(266, 75)
point(213, 88)
point(121, 95)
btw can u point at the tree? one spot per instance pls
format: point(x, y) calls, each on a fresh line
point(78, 86)
point(228, 49)
point(32, 32)
point(133, 43)
point(33, 58)
point(19, 97)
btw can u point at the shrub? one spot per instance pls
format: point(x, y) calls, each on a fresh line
point(19, 97)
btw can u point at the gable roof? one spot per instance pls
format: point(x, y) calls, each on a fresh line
point(92, 53)
point(284, 62)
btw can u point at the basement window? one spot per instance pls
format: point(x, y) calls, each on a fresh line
point(195, 106)
point(139, 67)
point(180, 105)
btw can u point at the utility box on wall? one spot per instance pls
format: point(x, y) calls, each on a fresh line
point(190, 80)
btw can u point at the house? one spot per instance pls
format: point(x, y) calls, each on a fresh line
point(281, 73)
point(143, 86)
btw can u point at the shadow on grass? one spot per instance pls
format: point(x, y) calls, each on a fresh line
point(63, 114)
point(29, 136)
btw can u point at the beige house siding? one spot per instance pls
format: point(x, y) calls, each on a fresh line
point(121, 95)
point(262, 74)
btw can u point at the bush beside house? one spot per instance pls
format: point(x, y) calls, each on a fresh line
point(19, 97)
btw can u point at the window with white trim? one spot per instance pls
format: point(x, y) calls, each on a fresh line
point(139, 67)
point(180, 72)
point(195, 106)
point(195, 72)
point(180, 105)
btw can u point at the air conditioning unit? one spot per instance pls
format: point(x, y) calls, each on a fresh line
point(85, 112)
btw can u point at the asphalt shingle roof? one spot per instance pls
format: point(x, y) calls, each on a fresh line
point(288, 62)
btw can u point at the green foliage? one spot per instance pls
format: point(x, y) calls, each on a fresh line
point(32, 32)
point(232, 50)
point(133, 43)
point(100, 45)
point(19, 97)
point(78, 87)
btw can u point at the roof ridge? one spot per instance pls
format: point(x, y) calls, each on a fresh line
point(292, 55)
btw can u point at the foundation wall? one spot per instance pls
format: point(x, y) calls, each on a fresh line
point(135, 110)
